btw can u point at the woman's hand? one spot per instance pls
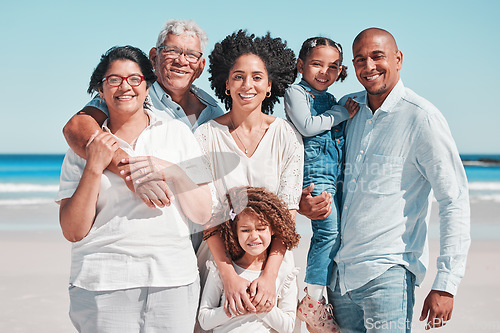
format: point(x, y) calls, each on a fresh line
point(263, 293)
point(147, 168)
point(153, 176)
point(149, 176)
point(237, 300)
point(100, 150)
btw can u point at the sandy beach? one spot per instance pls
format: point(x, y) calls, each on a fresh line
point(35, 261)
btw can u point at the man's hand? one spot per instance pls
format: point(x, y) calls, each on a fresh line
point(315, 208)
point(438, 306)
point(100, 150)
point(80, 128)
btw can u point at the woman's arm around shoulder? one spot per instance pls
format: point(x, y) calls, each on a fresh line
point(282, 316)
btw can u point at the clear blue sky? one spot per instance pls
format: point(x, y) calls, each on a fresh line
point(49, 49)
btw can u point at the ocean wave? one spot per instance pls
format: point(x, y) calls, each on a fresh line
point(25, 202)
point(485, 197)
point(482, 163)
point(484, 186)
point(21, 187)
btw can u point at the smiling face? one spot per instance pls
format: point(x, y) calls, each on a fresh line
point(321, 67)
point(254, 237)
point(124, 98)
point(177, 75)
point(248, 83)
point(377, 62)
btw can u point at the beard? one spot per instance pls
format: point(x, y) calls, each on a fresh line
point(378, 91)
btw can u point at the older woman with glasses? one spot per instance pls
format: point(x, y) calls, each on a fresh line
point(133, 268)
point(178, 61)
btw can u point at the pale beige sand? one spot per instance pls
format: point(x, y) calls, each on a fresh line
point(34, 268)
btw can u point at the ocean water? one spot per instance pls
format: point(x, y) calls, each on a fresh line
point(29, 179)
point(31, 182)
point(483, 174)
point(34, 179)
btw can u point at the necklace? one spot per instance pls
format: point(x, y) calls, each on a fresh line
point(234, 131)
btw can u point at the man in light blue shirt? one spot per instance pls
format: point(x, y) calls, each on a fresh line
point(178, 61)
point(398, 148)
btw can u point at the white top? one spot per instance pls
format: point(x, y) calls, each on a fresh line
point(276, 164)
point(131, 245)
point(280, 319)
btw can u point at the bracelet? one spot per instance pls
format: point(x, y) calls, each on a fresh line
point(209, 234)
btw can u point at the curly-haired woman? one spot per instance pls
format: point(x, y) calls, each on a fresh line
point(249, 147)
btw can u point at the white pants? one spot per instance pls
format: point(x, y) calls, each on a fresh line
point(144, 310)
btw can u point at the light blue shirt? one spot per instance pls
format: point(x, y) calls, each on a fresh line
point(394, 157)
point(163, 102)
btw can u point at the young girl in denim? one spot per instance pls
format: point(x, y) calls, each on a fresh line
point(317, 116)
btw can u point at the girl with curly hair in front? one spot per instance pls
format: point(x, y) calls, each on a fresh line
point(249, 147)
point(252, 217)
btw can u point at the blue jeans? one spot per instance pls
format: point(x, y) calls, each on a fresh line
point(322, 166)
point(325, 242)
point(385, 304)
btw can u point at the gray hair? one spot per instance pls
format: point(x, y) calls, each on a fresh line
point(179, 27)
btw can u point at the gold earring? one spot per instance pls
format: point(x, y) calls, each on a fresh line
point(228, 92)
point(268, 94)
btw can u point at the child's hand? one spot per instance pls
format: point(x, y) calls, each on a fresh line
point(352, 107)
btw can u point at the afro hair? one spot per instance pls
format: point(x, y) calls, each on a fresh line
point(279, 60)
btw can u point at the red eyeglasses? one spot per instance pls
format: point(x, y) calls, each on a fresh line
point(116, 80)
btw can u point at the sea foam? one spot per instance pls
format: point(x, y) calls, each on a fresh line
point(21, 187)
point(26, 202)
point(484, 186)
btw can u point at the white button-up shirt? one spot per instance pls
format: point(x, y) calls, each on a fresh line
point(394, 157)
point(131, 245)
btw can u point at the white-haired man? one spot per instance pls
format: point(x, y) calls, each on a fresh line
point(178, 61)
